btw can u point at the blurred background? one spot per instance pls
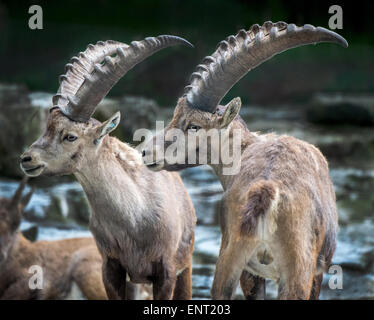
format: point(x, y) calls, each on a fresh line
point(323, 94)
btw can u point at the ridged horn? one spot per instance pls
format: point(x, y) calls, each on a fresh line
point(238, 54)
point(90, 76)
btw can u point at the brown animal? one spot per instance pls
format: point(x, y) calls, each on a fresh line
point(279, 217)
point(143, 222)
point(62, 262)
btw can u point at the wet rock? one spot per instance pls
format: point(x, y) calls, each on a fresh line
point(351, 146)
point(136, 113)
point(20, 125)
point(355, 197)
point(64, 205)
point(78, 207)
point(52, 233)
point(340, 114)
point(68, 208)
point(338, 109)
point(207, 244)
point(356, 286)
point(206, 192)
point(355, 247)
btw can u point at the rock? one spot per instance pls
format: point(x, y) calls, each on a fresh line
point(356, 286)
point(364, 99)
point(341, 110)
point(340, 114)
point(354, 251)
point(63, 205)
point(136, 113)
point(68, 207)
point(78, 207)
point(20, 124)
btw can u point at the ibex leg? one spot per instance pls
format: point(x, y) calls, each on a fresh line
point(230, 265)
point(114, 277)
point(183, 288)
point(164, 282)
point(317, 282)
point(253, 286)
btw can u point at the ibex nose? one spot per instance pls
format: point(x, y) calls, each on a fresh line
point(143, 153)
point(25, 159)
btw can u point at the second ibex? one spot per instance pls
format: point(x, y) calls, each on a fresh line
point(139, 228)
point(279, 217)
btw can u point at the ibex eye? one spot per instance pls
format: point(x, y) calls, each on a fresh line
point(193, 127)
point(70, 138)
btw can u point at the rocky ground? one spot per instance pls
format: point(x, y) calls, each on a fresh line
point(340, 125)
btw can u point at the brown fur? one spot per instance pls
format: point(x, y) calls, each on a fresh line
point(63, 262)
point(55, 258)
point(143, 222)
point(279, 217)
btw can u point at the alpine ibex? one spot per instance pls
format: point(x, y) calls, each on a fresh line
point(143, 222)
point(62, 262)
point(279, 217)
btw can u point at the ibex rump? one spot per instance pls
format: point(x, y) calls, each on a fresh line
point(279, 217)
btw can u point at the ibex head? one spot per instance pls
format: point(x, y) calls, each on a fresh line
point(71, 134)
point(199, 108)
point(10, 218)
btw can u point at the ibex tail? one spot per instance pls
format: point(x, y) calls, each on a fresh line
point(258, 214)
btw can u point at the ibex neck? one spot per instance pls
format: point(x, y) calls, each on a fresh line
point(226, 173)
point(109, 178)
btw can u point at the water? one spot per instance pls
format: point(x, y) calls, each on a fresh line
point(61, 211)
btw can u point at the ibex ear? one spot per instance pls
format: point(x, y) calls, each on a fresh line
point(231, 111)
point(107, 127)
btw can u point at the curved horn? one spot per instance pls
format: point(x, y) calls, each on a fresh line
point(90, 76)
point(16, 199)
point(243, 52)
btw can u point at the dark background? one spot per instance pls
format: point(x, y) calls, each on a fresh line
point(36, 57)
